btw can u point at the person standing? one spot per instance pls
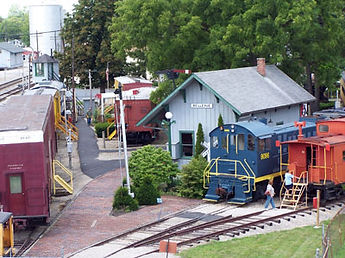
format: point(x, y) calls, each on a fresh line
point(269, 193)
point(288, 180)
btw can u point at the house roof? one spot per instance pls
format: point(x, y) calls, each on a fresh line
point(11, 48)
point(244, 90)
point(45, 59)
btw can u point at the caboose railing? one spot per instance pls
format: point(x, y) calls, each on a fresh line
point(249, 175)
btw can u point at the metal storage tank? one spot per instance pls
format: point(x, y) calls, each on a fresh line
point(46, 21)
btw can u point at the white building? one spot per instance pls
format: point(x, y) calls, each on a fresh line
point(10, 56)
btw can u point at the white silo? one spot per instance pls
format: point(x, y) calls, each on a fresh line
point(46, 21)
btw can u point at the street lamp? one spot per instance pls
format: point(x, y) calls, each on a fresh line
point(168, 122)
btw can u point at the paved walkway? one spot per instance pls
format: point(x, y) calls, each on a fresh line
point(86, 219)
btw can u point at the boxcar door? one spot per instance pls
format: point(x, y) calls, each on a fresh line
point(16, 194)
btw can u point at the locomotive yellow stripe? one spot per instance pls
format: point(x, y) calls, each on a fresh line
point(268, 177)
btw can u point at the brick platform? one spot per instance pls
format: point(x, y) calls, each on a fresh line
point(87, 220)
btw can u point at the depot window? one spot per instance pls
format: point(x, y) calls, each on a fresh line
point(187, 144)
point(39, 69)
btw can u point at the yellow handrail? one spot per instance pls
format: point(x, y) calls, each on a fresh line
point(68, 172)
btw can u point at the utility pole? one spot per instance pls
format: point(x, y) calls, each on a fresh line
point(90, 89)
point(73, 85)
point(107, 75)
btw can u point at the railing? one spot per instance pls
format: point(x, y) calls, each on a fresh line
point(58, 179)
point(63, 124)
point(108, 128)
point(237, 163)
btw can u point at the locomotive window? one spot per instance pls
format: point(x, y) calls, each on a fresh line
point(215, 142)
point(261, 144)
point(251, 144)
point(224, 143)
point(232, 139)
point(15, 184)
point(241, 141)
point(323, 128)
point(187, 144)
point(268, 144)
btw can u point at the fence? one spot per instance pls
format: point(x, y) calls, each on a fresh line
point(334, 239)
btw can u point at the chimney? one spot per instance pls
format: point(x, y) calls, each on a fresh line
point(261, 66)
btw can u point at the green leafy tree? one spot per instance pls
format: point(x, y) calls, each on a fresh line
point(154, 163)
point(16, 26)
point(85, 33)
point(191, 177)
point(199, 139)
point(147, 193)
point(220, 120)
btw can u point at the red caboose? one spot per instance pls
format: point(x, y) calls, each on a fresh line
point(27, 148)
point(322, 157)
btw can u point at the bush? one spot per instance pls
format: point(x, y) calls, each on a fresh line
point(326, 105)
point(154, 163)
point(147, 193)
point(199, 139)
point(123, 201)
point(100, 127)
point(191, 177)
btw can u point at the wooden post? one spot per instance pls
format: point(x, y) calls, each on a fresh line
point(318, 208)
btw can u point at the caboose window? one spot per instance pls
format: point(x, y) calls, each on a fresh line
point(323, 128)
point(344, 155)
point(241, 141)
point(251, 144)
point(15, 184)
point(187, 144)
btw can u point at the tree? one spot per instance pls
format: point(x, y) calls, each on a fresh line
point(16, 26)
point(199, 139)
point(220, 120)
point(154, 163)
point(192, 178)
point(86, 29)
point(147, 193)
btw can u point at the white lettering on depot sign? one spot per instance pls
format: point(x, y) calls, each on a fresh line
point(200, 105)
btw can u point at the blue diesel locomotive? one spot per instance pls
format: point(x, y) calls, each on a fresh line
point(244, 156)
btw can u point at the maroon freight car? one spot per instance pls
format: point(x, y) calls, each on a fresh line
point(27, 149)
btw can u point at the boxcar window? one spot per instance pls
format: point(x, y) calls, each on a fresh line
point(261, 144)
point(240, 141)
point(215, 142)
point(187, 144)
point(323, 128)
point(343, 155)
point(224, 143)
point(268, 144)
point(251, 144)
point(15, 184)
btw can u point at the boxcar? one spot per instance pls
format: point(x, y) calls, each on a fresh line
point(27, 148)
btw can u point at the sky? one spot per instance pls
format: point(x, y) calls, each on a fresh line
point(5, 5)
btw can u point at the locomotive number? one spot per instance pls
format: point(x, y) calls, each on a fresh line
point(265, 155)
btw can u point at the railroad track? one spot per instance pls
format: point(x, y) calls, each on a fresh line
point(10, 88)
point(191, 228)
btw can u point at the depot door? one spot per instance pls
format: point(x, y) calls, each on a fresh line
point(16, 194)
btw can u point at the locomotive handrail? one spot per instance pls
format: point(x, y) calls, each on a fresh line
point(247, 177)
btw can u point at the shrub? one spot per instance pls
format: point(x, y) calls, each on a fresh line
point(154, 163)
point(191, 177)
point(100, 127)
point(147, 193)
point(326, 105)
point(199, 139)
point(220, 120)
point(123, 201)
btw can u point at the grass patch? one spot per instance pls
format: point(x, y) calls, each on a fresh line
point(298, 242)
